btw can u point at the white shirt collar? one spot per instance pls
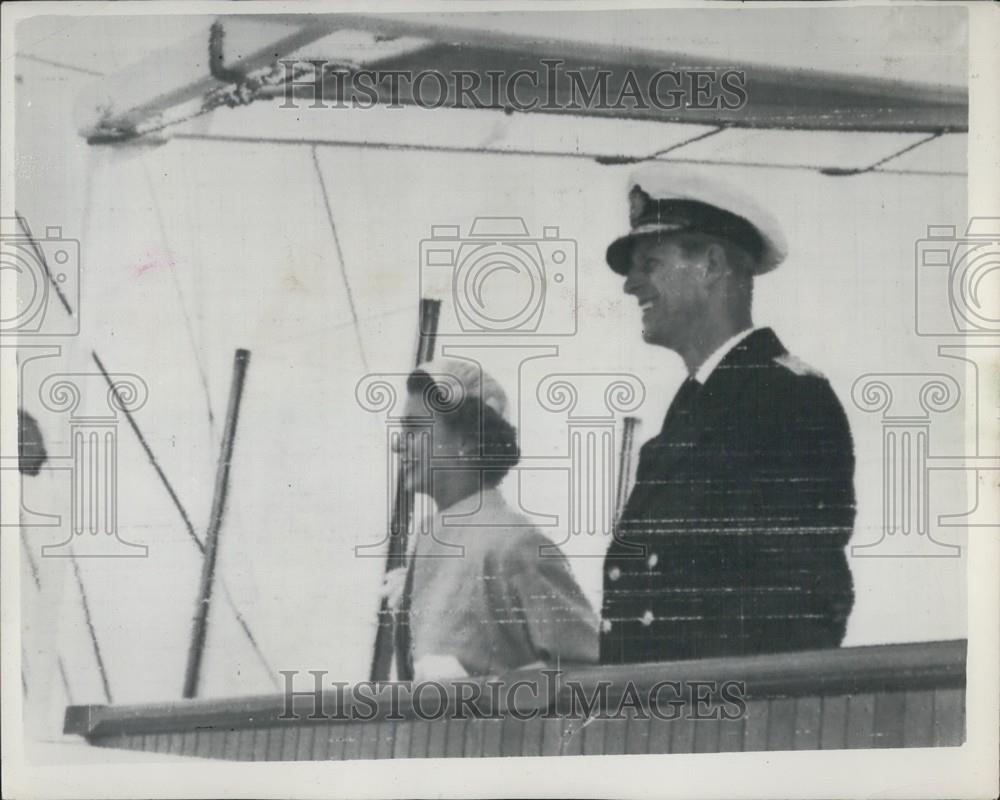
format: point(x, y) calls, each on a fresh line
point(709, 364)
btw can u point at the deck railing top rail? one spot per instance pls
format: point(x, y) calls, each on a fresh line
point(845, 671)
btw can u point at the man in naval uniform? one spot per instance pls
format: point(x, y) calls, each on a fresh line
point(733, 540)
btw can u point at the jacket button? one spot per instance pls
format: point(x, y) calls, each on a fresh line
point(647, 618)
point(614, 573)
point(653, 560)
point(605, 626)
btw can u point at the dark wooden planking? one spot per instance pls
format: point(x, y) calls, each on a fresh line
point(290, 742)
point(420, 732)
point(706, 736)
point(369, 739)
point(918, 722)
point(306, 742)
point(437, 738)
point(385, 739)
point(731, 735)
point(208, 744)
point(909, 710)
point(335, 741)
point(682, 737)
point(890, 716)
point(949, 717)
point(860, 720)
point(531, 740)
point(493, 737)
point(231, 745)
point(572, 737)
point(247, 737)
point(936, 665)
point(659, 736)
point(322, 738)
point(512, 737)
point(475, 729)
point(637, 737)
point(781, 724)
point(353, 733)
point(454, 743)
point(592, 731)
point(616, 734)
point(808, 717)
point(403, 739)
point(833, 723)
point(260, 740)
point(108, 741)
point(276, 742)
point(755, 726)
point(552, 728)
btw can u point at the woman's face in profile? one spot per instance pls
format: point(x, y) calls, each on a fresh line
point(429, 447)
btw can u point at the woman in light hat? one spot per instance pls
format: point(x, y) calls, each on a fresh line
point(485, 592)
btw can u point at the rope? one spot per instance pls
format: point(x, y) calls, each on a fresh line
point(340, 258)
point(839, 172)
point(529, 153)
point(90, 628)
point(609, 160)
point(187, 520)
point(202, 376)
point(60, 65)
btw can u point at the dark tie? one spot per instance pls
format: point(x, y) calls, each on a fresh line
point(682, 403)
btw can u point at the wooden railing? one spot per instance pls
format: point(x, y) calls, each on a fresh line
point(908, 695)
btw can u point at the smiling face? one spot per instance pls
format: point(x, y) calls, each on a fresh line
point(672, 289)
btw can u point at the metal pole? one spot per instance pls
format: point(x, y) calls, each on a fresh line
point(402, 511)
point(199, 630)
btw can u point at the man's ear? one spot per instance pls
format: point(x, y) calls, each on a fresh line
point(716, 262)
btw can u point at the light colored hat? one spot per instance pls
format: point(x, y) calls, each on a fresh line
point(473, 379)
point(664, 199)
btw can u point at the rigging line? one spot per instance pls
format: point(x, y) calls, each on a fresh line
point(840, 172)
point(268, 669)
point(613, 160)
point(177, 504)
point(90, 628)
point(40, 257)
point(26, 549)
point(150, 456)
point(65, 680)
point(60, 65)
point(530, 153)
point(340, 257)
point(202, 376)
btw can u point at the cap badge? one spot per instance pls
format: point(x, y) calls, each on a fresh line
point(638, 200)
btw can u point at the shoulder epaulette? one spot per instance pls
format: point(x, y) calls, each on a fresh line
point(797, 365)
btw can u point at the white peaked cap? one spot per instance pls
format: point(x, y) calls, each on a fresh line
point(666, 198)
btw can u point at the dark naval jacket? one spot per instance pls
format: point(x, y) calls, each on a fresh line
point(732, 541)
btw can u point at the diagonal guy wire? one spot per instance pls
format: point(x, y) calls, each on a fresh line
point(187, 520)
